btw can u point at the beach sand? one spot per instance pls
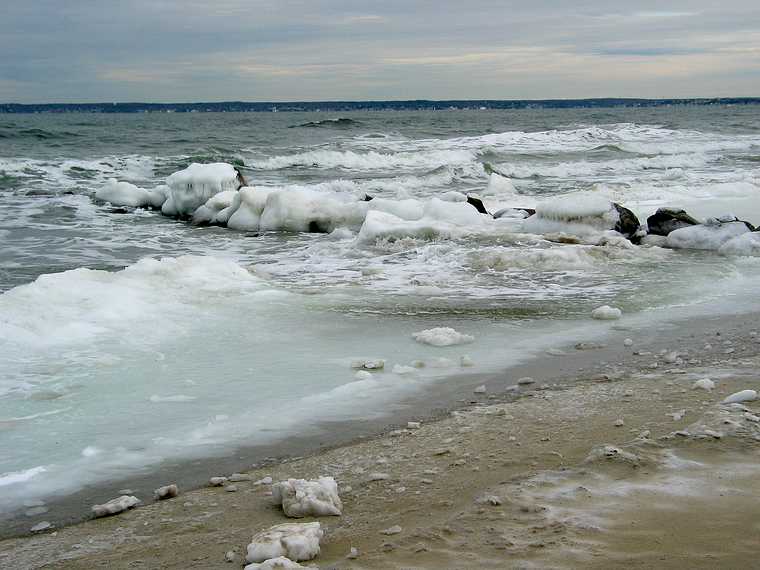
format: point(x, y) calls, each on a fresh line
point(509, 480)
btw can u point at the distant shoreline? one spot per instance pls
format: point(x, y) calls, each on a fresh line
point(347, 106)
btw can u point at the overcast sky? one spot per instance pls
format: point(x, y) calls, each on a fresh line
point(299, 50)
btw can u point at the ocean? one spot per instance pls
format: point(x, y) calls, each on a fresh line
point(128, 338)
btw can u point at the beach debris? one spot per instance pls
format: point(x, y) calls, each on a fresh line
point(525, 380)
point(492, 500)
point(353, 554)
point(301, 498)
point(377, 477)
point(413, 425)
point(619, 423)
point(677, 416)
point(371, 364)
point(42, 527)
point(115, 506)
point(217, 481)
point(480, 389)
point(231, 488)
point(166, 492)
point(703, 384)
point(612, 453)
point(264, 481)
point(742, 396)
point(442, 336)
point(295, 541)
point(230, 556)
point(671, 357)
point(395, 529)
point(239, 477)
point(606, 313)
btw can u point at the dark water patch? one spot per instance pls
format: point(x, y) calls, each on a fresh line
point(42, 134)
point(340, 123)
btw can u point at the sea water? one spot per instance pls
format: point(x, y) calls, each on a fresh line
point(128, 338)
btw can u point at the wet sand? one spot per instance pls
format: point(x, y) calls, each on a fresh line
point(679, 489)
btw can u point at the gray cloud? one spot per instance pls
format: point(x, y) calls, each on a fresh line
point(173, 50)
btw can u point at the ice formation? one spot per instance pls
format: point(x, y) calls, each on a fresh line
point(742, 396)
point(296, 541)
point(195, 185)
point(745, 244)
point(247, 208)
point(703, 384)
point(442, 336)
point(279, 563)
point(582, 216)
point(711, 235)
point(166, 492)
point(115, 506)
point(498, 184)
point(302, 498)
point(606, 313)
point(211, 211)
point(126, 194)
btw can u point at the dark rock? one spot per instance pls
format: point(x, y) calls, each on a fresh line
point(665, 220)
point(477, 203)
point(628, 224)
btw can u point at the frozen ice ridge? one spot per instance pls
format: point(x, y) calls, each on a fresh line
point(195, 185)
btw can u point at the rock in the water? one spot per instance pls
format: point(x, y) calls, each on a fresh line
point(477, 203)
point(665, 220)
point(628, 224)
point(41, 527)
point(520, 213)
point(115, 506)
point(166, 492)
point(743, 396)
point(296, 541)
point(606, 313)
point(302, 498)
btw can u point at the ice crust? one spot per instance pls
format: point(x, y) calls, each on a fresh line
point(279, 563)
point(126, 194)
point(301, 498)
point(442, 336)
point(296, 541)
point(195, 185)
point(707, 236)
point(745, 244)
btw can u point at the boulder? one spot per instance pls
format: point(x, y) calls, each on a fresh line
point(665, 220)
point(628, 224)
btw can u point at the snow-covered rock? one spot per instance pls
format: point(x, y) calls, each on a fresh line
point(195, 185)
point(247, 208)
point(166, 492)
point(209, 213)
point(606, 313)
point(126, 194)
point(296, 541)
point(115, 506)
point(711, 235)
point(302, 498)
point(442, 336)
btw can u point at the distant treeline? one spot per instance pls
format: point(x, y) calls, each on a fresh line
point(333, 106)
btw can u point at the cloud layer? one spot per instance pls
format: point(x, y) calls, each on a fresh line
point(291, 50)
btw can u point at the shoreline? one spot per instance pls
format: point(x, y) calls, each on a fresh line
point(597, 377)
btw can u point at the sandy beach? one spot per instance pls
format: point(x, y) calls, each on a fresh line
point(617, 461)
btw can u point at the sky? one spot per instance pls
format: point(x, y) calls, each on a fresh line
point(313, 50)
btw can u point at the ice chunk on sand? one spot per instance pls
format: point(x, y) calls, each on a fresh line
point(166, 492)
point(126, 194)
point(41, 527)
point(115, 506)
point(296, 541)
point(442, 336)
point(606, 313)
point(743, 396)
point(193, 186)
point(706, 236)
point(302, 498)
point(703, 384)
point(279, 563)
